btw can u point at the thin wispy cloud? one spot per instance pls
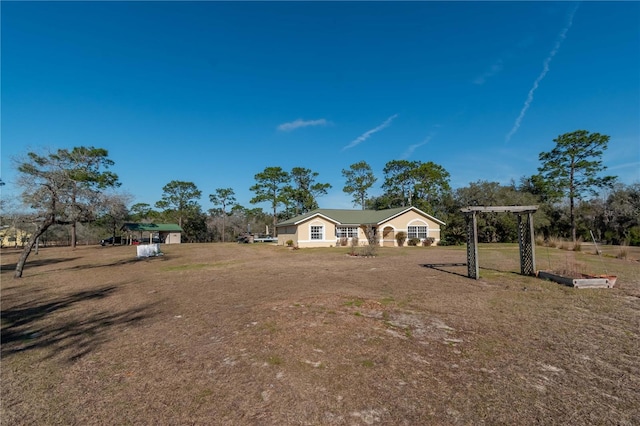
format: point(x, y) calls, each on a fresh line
point(545, 70)
point(495, 68)
point(498, 65)
point(366, 135)
point(635, 164)
point(287, 127)
point(411, 148)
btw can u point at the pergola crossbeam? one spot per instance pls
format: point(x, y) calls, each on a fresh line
point(500, 209)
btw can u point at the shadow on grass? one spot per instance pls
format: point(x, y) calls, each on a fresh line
point(33, 325)
point(117, 263)
point(121, 262)
point(37, 262)
point(440, 267)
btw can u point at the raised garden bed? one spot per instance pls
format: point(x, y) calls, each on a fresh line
point(579, 280)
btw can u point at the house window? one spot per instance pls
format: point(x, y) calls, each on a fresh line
point(417, 232)
point(346, 231)
point(317, 232)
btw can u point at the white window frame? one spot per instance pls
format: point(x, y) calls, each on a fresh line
point(418, 231)
point(346, 231)
point(318, 232)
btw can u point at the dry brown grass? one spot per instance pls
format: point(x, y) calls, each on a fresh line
point(257, 334)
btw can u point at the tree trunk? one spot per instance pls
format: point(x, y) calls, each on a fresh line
point(32, 242)
point(73, 233)
point(573, 221)
point(274, 217)
point(572, 195)
point(74, 222)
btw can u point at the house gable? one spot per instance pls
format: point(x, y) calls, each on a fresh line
point(414, 209)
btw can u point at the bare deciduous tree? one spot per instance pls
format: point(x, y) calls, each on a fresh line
point(62, 188)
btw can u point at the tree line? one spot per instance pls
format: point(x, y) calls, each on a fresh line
point(68, 190)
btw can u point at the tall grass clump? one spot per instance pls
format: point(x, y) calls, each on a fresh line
point(577, 245)
point(623, 252)
point(563, 245)
point(553, 242)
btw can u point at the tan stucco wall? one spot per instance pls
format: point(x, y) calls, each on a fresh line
point(412, 218)
point(286, 233)
point(301, 234)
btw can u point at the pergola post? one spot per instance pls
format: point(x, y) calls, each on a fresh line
point(472, 246)
point(525, 237)
point(526, 243)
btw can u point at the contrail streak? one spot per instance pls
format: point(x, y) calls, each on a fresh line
point(545, 70)
point(363, 137)
point(287, 127)
point(413, 147)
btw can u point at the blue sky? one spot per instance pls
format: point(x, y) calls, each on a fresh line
point(214, 92)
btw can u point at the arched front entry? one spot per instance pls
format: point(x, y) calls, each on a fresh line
point(388, 237)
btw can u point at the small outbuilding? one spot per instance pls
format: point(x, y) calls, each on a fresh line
point(10, 236)
point(165, 233)
point(329, 227)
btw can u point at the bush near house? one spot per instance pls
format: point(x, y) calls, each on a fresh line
point(427, 242)
point(413, 241)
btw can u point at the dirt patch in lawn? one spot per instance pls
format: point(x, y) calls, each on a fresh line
point(259, 334)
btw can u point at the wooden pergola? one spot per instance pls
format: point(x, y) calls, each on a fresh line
point(525, 236)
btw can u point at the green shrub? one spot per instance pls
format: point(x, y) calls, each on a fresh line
point(401, 237)
point(634, 236)
point(450, 242)
point(290, 243)
point(413, 241)
point(427, 242)
point(354, 245)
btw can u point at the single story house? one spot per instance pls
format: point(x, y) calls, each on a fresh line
point(166, 233)
point(327, 227)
